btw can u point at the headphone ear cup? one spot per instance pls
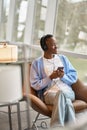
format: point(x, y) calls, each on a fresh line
point(43, 44)
point(45, 47)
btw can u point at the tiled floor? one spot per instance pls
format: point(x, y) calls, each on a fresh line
point(4, 122)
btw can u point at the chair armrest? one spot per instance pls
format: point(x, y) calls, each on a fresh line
point(79, 105)
point(80, 90)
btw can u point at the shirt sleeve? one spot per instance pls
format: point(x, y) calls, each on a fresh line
point(70, 73)
point(38, 78)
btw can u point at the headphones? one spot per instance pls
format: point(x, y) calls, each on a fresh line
point(43, 41)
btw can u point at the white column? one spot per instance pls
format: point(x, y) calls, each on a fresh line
point(1, 9)
point(50, 18)
point(10, 23)
point(29, 22)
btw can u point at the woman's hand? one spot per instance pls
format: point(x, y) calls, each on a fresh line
point(57, 74)
point(60, 73)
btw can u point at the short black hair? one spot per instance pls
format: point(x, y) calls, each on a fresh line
point(43, 41)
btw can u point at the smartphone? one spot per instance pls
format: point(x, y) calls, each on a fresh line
point(60, 68)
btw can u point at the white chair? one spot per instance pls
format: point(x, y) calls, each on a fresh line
point(11, 89)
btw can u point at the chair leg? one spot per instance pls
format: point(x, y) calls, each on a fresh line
point(43, 123)
point(36, 118)
point(34, 126)
point(9, 114)
point(19, 116)
point(28, 114)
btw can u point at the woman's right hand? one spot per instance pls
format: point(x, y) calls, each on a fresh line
point(57, 74)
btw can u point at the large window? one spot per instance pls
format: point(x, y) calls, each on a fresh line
point(71, 31)
point(26, 21)
point(66, 19)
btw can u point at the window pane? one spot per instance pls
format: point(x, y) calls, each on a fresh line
point(17, 19)
point(20, 20)
point(40, 19)
point(81, 67)
point(71, 25)
point(4, 10)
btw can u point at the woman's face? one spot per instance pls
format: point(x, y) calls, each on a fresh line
point(51, 45)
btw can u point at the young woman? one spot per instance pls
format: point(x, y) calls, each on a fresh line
point(51, 76)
